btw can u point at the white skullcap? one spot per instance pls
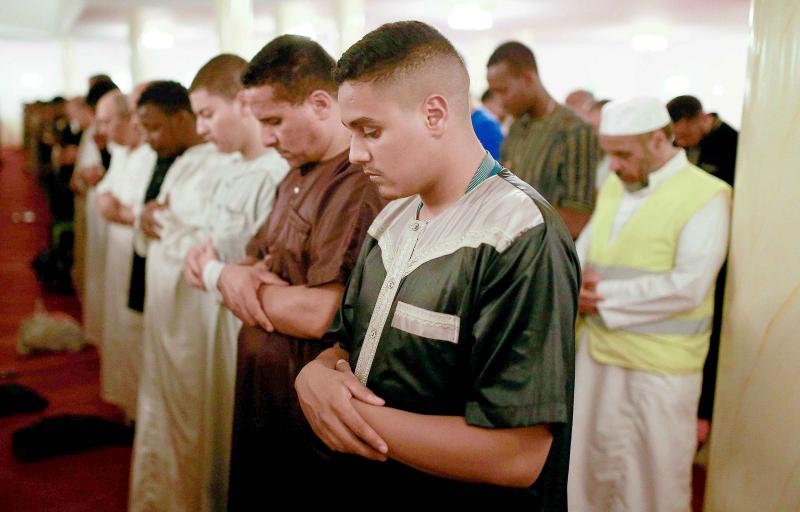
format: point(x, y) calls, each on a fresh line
point(633, 117)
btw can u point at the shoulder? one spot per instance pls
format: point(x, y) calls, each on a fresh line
point(346, 184)
point(502, 209)
point(571, 123)
point(728, 132)
point(697, 175)
point(205, 156)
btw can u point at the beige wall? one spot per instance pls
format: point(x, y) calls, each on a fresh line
point(755, 443)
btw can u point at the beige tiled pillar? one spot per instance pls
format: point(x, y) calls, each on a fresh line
point(135, 29)
point(755, 442)
point(350, 22)
point(235, 26)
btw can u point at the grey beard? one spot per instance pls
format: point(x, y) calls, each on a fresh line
point(636, 186)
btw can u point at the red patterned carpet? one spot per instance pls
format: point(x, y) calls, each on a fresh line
point(94, 481)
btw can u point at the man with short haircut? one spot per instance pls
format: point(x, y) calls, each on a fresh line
point(649, 255)
point(455, 338)
point(710, 144)
point(117, 196)
point(288, 289)
point(549, 146)
point(166, 460)
point(240, 202)
point(580, 101)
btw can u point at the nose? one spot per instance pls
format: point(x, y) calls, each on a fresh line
point(201, 128)
point(268, 137)
point(614, 164)
point(358, 152)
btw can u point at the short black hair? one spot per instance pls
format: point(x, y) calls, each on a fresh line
point(684, 107)
point(391, 47)
point(295, 66)
point(99, 78)
point(98, 90)
point(169, 96)
point(516, 55)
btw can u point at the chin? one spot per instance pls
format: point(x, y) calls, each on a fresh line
point(392, 193)
point(388, 193)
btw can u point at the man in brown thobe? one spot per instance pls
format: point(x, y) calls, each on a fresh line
point(291, 285)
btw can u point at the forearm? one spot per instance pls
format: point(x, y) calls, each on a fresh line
point(329, 357)
point(446, 446)
point(649, 298)
point(301, 311)
point(248, 261)
point(701, 250)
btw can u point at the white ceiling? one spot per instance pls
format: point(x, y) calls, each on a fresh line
point(107, 19)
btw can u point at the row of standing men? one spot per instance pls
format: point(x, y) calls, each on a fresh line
point(207, 227)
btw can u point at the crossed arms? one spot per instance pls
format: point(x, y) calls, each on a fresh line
point(350, 418)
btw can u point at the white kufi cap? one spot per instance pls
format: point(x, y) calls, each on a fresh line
point(633, 117)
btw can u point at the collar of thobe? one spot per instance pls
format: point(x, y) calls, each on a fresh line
point(203, 147)
point(665, 172)
point(310, 166)
point(487, 168)
point(115, 148)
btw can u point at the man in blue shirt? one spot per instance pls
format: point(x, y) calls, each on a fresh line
point(486, 121)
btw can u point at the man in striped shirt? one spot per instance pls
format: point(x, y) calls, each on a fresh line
point(549, 146)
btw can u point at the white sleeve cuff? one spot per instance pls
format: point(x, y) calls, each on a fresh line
point(137, 215)
point(211, 273)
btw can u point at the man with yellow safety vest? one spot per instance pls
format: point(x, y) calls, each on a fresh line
point(650, 255)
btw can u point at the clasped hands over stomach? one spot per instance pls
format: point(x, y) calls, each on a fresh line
point(239, 285)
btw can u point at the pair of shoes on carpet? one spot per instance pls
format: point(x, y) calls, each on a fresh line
point(68, 434)
point(16, 399)
point(65, 434)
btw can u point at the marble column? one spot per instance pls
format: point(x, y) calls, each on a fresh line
point(755, 453)
point(350, 22)
point(285, 16)
point(235, 26)
point(69, 85)
point(136, 23)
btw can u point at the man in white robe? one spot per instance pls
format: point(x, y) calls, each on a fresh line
point(650, 255)
point(166, 461)
point(119, 196)
point(90, 226)
point(239, 205)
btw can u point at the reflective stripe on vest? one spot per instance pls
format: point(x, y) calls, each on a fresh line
point(676, 326)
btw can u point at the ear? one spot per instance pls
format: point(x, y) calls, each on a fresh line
point(321, 103)
point(241, 101)
point(529, 76)
point(185, 117)
point(657, 142)
point(240, 105)
point(436, 112)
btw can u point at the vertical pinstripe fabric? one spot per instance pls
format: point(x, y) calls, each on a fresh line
point(557, 155)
